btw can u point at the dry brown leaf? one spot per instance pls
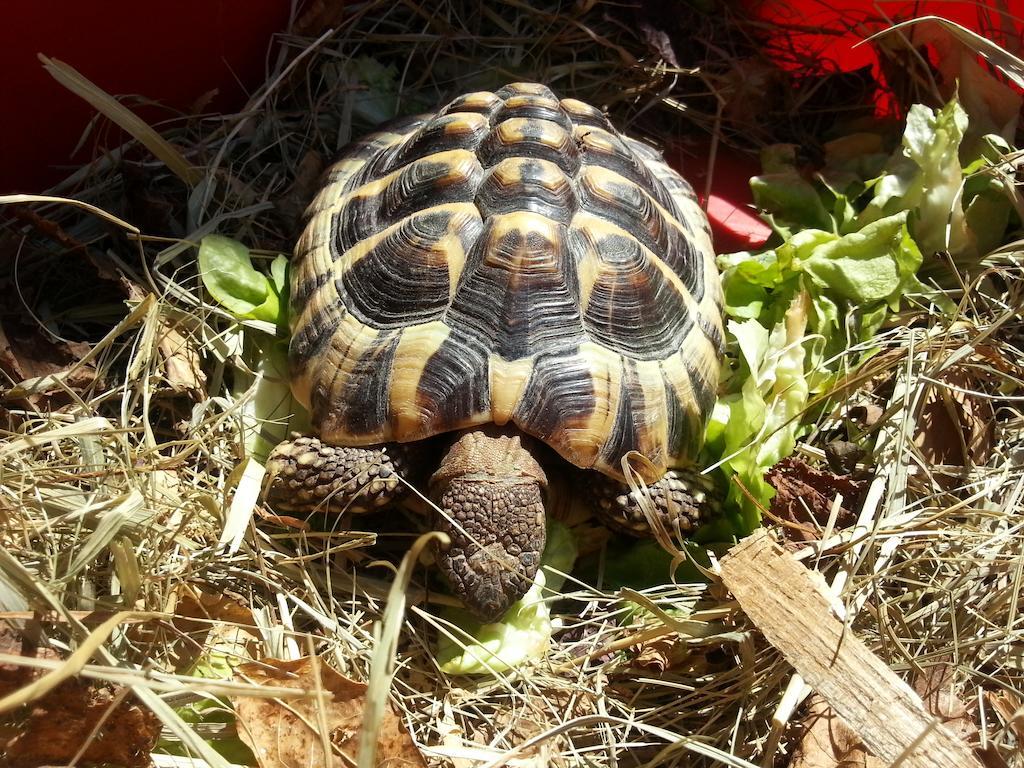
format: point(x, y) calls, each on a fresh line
point(658, 41)
point(1010, 709)
point(655, 656)
point(674, 652)
point(198, 621)
point(804, 497)
point(843, 456)
point(866, 414)
point(286, 521)
point(748, 87)
point(191, 603)
point(78, 713)
point(102, 722)
point(286, 734)
point(317, 16)
point(828, 742)
point(182, 367)
point(936, 689)
point(26, 353)
point(106, 269)
point(203, 621)
point(955, 427)
point(992, 105)
point(14, 676)
point(518, 725)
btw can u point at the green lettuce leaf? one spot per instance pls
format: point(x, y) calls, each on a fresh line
point(873, 264)
point(225, 267)
point(850, 244)
point(753, 428)
point(216, 663)
point(849, 161)
point(792, 200)
point(524, 632)
point(268, 410)
point(791, 309)
point(925, 176)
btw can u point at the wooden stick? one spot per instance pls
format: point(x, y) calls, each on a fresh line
point(794, 612)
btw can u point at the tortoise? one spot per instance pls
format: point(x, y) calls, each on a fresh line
point(506, 274)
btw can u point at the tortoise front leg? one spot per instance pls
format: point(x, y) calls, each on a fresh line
point(682, 499)
point(308, 475)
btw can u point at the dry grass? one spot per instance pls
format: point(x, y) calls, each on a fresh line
point(119, 499)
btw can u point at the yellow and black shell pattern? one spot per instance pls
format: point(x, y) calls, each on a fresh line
point(511, 258)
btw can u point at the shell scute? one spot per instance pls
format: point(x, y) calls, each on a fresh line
point(534, 108)
point(527, 138)
point(464, 130)
point(513, 90)
point(517, 294)
point(585, 114)
point(453, 390)
point(480, 102)
point(537, 186)
point(632, 306)
point(447, 177)
point(404, 278)
point(632, 208)
point(566, 406)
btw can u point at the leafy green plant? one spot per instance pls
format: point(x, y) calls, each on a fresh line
point(268, 410)
point(228, 274)
point(849, 245)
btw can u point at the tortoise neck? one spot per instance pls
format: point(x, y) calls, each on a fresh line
point(488, 452)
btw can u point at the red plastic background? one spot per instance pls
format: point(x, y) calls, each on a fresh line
point(173, 53)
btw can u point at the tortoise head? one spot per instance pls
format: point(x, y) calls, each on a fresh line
point(490, 491)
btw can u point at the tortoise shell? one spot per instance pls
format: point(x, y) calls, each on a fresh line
point(511, 258)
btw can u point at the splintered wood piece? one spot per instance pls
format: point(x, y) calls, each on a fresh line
point(790, 607)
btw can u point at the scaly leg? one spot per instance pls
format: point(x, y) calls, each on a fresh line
point(310, 476)
point(682, 498)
